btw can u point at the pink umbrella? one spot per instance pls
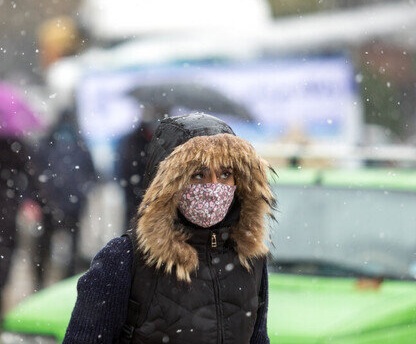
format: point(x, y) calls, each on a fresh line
point(16, 117)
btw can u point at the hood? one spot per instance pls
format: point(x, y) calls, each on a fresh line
point(173, 156)
point(175, 131)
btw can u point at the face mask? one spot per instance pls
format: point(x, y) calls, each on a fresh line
point(206, 204)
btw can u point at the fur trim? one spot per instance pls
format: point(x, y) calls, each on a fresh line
point(163, 244)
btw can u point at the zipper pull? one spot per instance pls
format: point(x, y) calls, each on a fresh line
point(213, 240)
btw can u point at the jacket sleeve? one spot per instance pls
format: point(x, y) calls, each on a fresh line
point(103, 293)
point(260, 335)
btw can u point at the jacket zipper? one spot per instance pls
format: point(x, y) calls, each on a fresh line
point(216, 285)
point(213, 240)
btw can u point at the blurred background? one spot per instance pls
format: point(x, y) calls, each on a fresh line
point(376, 38)
point(311, 83)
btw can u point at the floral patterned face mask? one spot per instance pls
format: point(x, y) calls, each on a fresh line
point(206, 204)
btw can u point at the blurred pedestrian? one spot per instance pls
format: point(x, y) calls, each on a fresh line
point(64, 162)
point(131, 163)
point(67, 174)
point(193, 268)
point(17, 177)
point(131, 158)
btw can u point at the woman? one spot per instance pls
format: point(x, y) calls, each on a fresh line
point(194, 268)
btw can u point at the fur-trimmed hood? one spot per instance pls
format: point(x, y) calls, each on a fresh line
point(163, 241)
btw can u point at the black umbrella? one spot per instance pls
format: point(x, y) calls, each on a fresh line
point(195, 97)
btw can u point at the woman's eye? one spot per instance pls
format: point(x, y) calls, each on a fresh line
point(226, 174)
point(197, 176)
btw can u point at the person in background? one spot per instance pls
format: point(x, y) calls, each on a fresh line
point(66, 174)
point(64, 162)
point(18, 181)
point(15, 178)
point(130, 167)
point(131, 158)
point(193, 267)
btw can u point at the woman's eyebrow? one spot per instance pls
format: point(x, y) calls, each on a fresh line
point(226, 168)
point(202, 169)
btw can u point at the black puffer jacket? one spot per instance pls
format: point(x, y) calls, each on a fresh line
point(219, 306)
point(191, 284)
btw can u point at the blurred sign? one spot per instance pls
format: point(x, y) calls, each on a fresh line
point(271, 99)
